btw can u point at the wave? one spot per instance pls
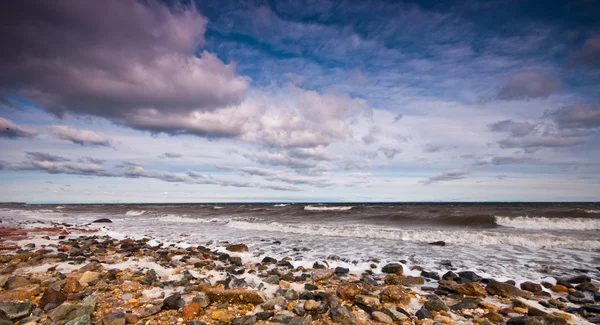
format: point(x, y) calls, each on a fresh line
point(280, 205)
point(592, 211)
point(223, 221)
point(481, 220)
point(216, 207)
point(326, 208)
point(528, 240)
point(133, 213)
point(58, 207)
point(541, 223)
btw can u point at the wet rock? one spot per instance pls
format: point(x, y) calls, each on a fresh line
point(579, 279)
point(430, 275)
point(341, 270)
point(264, 315)
point(307, 295)
point(394, 314)
point(410, 281)
point(73, 286)
point(467, 303)
point(531, 286)
point(349, 291)
point(103, 220)
point(382, 318)
point(115, 318)
point(311, 287)
point(201, 299)
point(67, 311)
point(536, 320)
point(53, 295)
point(392, 268)
point(471, 289)
point(319, 275)
point(272, 279)
point(191, 311)
point(435, 304)
point(15, 310)
point(342, 315)
point(88, 277)
point(291, 294)
point(306, 320)
point(438, 243)
point(244, 320)
point(81, 320)
point(273, 302)
point(311, 305)
point(559, 288)
point(21, 293)
point(237, 248)
point(586, 286)
point(503, 290)
point(151, 311)
point(367, 300)
point(268, 260)
point(468, 276)
point(395, 294)
point(494, 317)
point(423, 314)
point(317, 265)
point(451, 276)
point(173, 301)
point(282, 318)
point(536, 312)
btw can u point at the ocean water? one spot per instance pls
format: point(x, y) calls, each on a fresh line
point(518, 241)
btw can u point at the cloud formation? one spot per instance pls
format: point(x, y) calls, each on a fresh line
point(8, 129)
point(576, 116)
point(170, 155)
point(80, 137)
point(447, 176)
point(589, 54)
point(528, 85)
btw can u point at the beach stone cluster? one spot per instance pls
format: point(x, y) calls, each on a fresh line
point(85, 278)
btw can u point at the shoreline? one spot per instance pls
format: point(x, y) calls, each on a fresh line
point(103, 280)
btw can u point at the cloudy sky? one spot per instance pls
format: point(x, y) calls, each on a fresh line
point(144, 101)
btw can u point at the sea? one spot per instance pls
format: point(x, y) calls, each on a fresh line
point(504, 241)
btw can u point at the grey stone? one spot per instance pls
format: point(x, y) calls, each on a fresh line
point(173, 301)
point(381, 317)
point(306, 320)
point(423, 313)
point(115, 318)
point(435, 304)
point(342, 315)
point(81, 320)
point(16, 310)
point(244, 320)
point(393, 268)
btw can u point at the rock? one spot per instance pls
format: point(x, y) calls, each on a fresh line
point(438, 243)
point(311, 305)
point(235, 296)
point(306, 320)
point(307, 295)
point(73, 286)
point(268, 260)
point(468, 276)
point(559, 288)
point(536, 320)
point(173, 301)
point(195, 322)
point(349, 291)
point(103, 220)
point(531, 286)
point(342, 315)
point(494, 317)
point(410, 281)
point(201, 299)
point(467, 303)
point(88, 277)
point(244, 320)
point(264, 315)
point(67, 311)
point(579, 279)
point(435, 304)
point(15, 310)
point(323, 274)
point(273, 302)
point(341, 270)
point(191, 311)
point(237, 248)
point(395, 294)
point(392, 268)
point(21, 293)
point(586, 286)
point(471, 289)
point(52, 295)
point(367, 300)
point(291, 294)
point(536, 312)
point(311, 287)
point(423, 314)
point(15, 282)
point(430, 275)
point(394, 314)
point(130, 318)
point(115, 318)
point(382, 318)
point(450, 276)
point(151, 311)
point(81, 320)
point(317, 265)
point(592, 309)
point(503, 290)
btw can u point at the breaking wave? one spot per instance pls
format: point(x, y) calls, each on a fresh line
point(327, 208)
point(133, 213)
point(541, 223)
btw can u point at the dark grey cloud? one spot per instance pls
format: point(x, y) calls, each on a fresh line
point(430, 147)
point(371, 136)
point(252, 171)
point(43, 156)
point(576, 116)
point(516, 129)
point(528, 85)
point(170, 155)
point(80, 137)
point(8, 129)
point(589, 54)
point(448, 176)
point(96, 161)
point(398, 118)
point(389, 152)
point(67, 57)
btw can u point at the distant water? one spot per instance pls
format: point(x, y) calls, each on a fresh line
point(520, 241)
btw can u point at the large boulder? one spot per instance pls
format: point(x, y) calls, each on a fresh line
point(349, 291)
point(395, 294)
point(67, 311)
point(15, 310)
point(471, 289)
point(504, 290)
point(392, 268)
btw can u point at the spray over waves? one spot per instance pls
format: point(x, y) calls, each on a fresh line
point(543, 223)
point(133, 213)
point(327, 208)
point(280, 205)
point(527, 240)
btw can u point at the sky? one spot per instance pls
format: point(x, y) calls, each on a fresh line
point(332, 101)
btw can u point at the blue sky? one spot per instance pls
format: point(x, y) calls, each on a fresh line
point(300, 101)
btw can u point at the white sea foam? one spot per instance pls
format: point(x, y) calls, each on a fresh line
point(280, 205)
point(216, 207)
point(60, 207)
point(326, 208)
point(592, 211)
point(541, 223)
point(133, 213)
point(528, 240)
